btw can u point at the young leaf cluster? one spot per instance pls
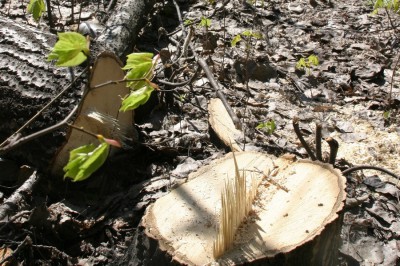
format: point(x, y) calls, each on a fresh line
point(70, 50)
point(205, 22)
point(269, 127)
point(36, 8)
point(248, 34)
point(389, 4)
point(85, 160)
point(140, 68)
point(307, 63)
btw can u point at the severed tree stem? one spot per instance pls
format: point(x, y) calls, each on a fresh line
point(334, 147)
point(301, 138)
point(318, 137)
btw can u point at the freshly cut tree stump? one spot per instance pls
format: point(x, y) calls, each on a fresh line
point(294, 218)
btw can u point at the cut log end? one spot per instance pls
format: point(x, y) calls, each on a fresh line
point(294, 216)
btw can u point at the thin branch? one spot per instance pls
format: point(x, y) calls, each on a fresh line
point(27, 241)
point(318, 137)
point(301, 138)
point(392, 80)
point(207, 70)
point(16, 143)
point(180, 84)
point(369, 167)
point(334, 147)
point(50, 17)
point(44, 108)
point(11, 204)
point(390, 21)
point(81, 129)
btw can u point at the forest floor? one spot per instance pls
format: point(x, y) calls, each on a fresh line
point(352, 91)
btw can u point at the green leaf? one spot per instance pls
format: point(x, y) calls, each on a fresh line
point(136, 98)
point(36, 8)
point(140, 66)
point(235, 40)
point(187, 22)
point(85, 160)
point(313, 60)
point(386, 115)
point(135, 59)
point(70, 50)
point(247, 33)
point(269, 126)
point(301, 64)
point(205, 22)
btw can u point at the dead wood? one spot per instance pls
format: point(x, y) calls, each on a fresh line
point(12, 204)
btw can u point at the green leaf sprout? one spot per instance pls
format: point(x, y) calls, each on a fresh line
point(70, 50)
point(36, 8)
point(269, 127)
point(304, 64)
point(140, 68)
point(136, 98)
point(235, 40)
point(205, 22)
point(85, 160)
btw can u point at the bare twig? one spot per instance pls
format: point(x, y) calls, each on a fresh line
point(50, 17)
point(301, 138)
point(202, 63)
point(11, 204)
point(334, 147)
point(27, 241)
point(369, 167)
point(318, 137)
point(15, 143)
point(218, 91)
point(392, 80)
point(43, 108)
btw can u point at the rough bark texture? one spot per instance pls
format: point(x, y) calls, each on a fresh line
point(146, 251)
point(28, 82)
point(123, 26)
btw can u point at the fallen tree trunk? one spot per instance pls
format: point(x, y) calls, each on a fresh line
point(294, 218)
point(28, 81)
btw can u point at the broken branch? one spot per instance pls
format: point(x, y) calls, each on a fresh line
point(301, 138)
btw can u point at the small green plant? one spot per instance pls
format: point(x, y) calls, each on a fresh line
point(140, 68)
point(205, 22)
point(307, 63)
point(248, 35)
point(269, 127)
point(36, 8)
point(393, 5)
point(188, 22)
point(71, 49)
